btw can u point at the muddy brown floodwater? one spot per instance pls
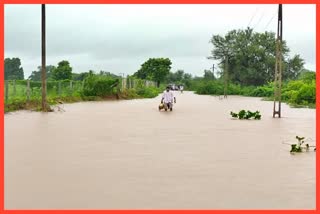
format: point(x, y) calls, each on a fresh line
point(128, 155)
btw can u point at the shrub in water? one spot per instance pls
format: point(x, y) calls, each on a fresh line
point(234, 115)
point(243, 114)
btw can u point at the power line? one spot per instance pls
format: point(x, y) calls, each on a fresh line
point(259, 20)
point(253, 16)
point(270, 20)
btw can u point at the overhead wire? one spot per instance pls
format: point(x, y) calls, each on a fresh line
point(259, 20)
point(253, 15)
point(274, 15)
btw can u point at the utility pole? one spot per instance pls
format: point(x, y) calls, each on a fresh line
point(213, 71)
point(225, 76)
point(278, 67)
point(43, 57)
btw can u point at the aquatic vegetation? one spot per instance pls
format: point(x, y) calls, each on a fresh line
point(299, 146)
point(257, 115)
point(234, 115)
point(295, 148)
point(243, 114)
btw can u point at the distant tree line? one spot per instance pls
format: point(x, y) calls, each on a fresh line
point(63, 71)
point(250, 56)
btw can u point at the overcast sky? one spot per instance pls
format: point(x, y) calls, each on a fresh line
point(119, 38)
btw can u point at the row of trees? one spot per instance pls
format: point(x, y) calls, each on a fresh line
point(245, 57)
point(63, 71)
point(249, 56)
point(156, 69)
point(14, 71)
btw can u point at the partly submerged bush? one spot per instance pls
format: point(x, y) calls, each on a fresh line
point(243, 114)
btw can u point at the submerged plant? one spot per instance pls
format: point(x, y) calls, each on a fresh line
point(234, 115)
point(249, 114)
point(295, 148)
point(243, 114)
point(299, 138)
point(257, 115)
point(299, 146)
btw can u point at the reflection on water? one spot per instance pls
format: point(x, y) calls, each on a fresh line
point(128, 155)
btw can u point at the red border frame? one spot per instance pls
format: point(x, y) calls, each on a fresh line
point(152, 2)
point(2, 107)
point(160, 1)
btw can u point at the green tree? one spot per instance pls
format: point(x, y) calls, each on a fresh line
point(187, 76)
point(208, 75)
point(155, 69)
point(13, 69)
point(307, 76)
point(251, 57)
point(179, 75)
point(187, 79)
point(107, 73)
point(36, 75)
point(175, 77)
point(63, 71)
point(293, 67)
point(79, 76)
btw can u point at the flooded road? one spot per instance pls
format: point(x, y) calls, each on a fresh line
point(128, 155)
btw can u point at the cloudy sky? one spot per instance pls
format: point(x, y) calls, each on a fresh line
point(119, 38)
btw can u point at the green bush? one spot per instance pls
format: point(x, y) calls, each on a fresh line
point(234, 89)
point(100, 86)
point(307, 76)
point(243, 114)
point(247, 90)
point(216, 87)
point(262, 91)
point(306, 94)
point(300, 92)
point(148, 92)
point(209, 87)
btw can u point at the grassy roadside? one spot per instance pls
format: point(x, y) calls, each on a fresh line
point(127, 94)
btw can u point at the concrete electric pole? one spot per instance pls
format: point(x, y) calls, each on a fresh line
point(278, 67)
